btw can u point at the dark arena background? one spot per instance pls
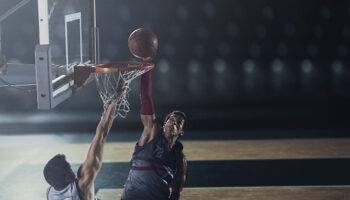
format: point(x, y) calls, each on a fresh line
point(265, 85)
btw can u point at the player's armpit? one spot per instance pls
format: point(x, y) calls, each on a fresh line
point(89, 170)
point(87, 175)
point(150, 130)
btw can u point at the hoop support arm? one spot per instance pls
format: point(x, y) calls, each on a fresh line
point(82, 74)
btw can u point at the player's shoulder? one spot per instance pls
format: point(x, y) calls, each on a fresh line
point(83, 187)
point(83, 180)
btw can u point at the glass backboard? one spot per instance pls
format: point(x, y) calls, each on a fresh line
point(68, 36)
point(69, 30)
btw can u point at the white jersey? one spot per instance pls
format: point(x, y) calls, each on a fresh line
point(71, 192)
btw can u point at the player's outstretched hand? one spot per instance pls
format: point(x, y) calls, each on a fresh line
point(120, 89)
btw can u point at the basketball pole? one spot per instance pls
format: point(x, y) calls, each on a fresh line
point(43, 22)
point(1, 59)
point(95, 42)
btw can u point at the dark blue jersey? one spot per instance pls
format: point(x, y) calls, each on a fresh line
point(153, 167)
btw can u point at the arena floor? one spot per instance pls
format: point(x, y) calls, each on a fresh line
point(230, 168)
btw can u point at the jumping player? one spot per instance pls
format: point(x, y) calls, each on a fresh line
point(158, 162)
point(59, 174)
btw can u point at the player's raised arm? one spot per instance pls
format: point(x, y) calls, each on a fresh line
point(150, 125)
point(143, 44)
point(90, 168)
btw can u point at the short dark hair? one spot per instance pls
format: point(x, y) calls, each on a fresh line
point(176, 112)
point(56, 171)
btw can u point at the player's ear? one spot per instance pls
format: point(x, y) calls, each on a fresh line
point(181, 133)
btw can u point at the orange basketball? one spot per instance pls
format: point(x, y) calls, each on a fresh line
point(143, 44)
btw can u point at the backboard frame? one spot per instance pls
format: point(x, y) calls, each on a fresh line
point(51, 90)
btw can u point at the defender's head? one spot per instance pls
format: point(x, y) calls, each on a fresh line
point(174, 126)
point(58, 172)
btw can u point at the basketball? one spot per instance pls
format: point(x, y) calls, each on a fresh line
point(143, 44)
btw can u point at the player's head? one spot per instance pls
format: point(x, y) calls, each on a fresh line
point(58, 172)
point(174, 124)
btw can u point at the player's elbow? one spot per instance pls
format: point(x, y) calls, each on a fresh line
point(146, 133)
point(100, 129)
point(94, 162)
point(97, 164)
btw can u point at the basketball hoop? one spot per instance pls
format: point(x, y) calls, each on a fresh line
point(111, 79)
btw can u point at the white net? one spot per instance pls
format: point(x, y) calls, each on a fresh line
point(109, 85)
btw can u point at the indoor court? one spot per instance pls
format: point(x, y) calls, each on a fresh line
point(265, 86)
point(233, 168)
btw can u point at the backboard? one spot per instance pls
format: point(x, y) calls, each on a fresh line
point(68, 36)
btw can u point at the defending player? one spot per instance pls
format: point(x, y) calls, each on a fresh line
point(158, 162)
point(59, 174)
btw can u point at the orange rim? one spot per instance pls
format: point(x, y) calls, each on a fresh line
point(120, 66)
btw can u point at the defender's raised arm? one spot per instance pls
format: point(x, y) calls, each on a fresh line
point(92, 165)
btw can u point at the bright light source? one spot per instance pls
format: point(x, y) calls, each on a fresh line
point(249, 66)
point(163, 66)
point(219, 65)
point(306, 66)
point(193, 66)
point(277, 65)
point(337, 66)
